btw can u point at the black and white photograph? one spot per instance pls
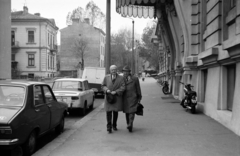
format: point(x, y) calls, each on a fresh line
point(120, 77)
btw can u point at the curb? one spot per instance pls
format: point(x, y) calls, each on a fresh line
point(60, 140)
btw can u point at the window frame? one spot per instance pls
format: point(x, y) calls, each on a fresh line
point(31, 60)
point(31, 37)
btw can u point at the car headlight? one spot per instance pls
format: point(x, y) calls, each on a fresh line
point(5, 130)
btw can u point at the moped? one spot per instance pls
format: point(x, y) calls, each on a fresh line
point(190, 100)
point(165, 88)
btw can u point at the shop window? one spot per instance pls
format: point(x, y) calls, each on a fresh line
point(30, 75)
point(233, 3)
point(205, 74)
point(231, 79)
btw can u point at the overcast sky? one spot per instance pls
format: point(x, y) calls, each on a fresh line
point(58, 9)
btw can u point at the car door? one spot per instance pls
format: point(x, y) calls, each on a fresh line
point(42, 113)
point(53, 105)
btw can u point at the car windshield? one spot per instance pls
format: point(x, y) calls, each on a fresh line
point(12, 95)
point(66, 85)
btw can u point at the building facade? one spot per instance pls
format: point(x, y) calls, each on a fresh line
point(82, 45)
point(199, 43)
point(34, 45)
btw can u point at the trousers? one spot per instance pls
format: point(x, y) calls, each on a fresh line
point(130, 118)
point(112, 117)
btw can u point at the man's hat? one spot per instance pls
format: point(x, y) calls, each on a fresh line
point(111, 98)
point(126, 68)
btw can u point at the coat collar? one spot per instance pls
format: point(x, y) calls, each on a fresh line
point(130, 79)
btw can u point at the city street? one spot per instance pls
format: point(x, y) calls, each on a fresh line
point(166, 129)
point(70, 120)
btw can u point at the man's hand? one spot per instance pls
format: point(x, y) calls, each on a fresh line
point(113, 92)
point(108, 91)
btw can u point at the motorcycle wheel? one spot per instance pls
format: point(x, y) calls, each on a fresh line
point(165, 90)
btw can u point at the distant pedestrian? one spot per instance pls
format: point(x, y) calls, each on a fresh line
point(131, 96)
point(113, 86)
point(143, 76)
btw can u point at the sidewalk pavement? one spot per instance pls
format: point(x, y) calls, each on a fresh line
point(166, 129)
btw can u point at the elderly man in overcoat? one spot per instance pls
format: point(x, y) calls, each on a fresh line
point(131, 96)
point(113, 84)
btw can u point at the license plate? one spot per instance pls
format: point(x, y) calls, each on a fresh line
point(62, 99)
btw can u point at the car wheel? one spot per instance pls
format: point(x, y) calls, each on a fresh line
point(84, 109)
point(59, 129)
point(91, 107)
point(30, 145)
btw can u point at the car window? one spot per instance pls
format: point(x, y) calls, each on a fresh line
point(12, 95)
point(67, 85)
point(38, 97)
point(48, 94)
point(86, 85)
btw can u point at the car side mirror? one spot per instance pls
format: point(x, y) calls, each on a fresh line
point(80, 89)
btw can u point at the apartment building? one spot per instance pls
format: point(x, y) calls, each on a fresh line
point(34, 45)
point(93, 53)
point(199, 43)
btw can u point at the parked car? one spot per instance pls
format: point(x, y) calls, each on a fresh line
point(95, 76)
point(75, 92)
point(28, 110)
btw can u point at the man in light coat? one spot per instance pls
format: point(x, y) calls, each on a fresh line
point(131, 96)
point(113, 84)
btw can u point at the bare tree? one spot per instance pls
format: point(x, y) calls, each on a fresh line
point(92, 11)
point(79, 49)
point(95, 14)
point(76, 13)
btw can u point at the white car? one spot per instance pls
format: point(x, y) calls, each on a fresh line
point(75, 92)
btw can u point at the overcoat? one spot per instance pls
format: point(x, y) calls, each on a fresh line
point(119, 87)
point(132, 95)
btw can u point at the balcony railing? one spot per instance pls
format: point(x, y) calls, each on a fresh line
point(15, 44)
point(53, 48)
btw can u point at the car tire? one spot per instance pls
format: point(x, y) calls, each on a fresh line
point(29, 146)
point(60, 127)
point(91, 107)
point(84, 109)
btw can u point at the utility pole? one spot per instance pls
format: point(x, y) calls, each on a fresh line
point(5, 39)
point(108, 39)
point(133, 58)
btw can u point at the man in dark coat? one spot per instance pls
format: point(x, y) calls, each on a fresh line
point(113, 84)
point(131, 96)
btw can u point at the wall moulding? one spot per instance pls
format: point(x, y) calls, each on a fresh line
point(209, 56)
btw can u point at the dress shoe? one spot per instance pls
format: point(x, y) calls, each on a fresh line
point(115, 128)
point(129, 128)
point(109, 130)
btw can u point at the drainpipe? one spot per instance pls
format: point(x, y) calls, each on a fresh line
point(40, 48)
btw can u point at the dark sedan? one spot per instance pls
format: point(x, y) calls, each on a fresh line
point(27, 111)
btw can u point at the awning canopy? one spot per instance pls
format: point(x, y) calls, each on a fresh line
point(136, 8)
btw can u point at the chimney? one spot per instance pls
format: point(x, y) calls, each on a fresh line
point(75, 20)
point(37, 14)
point(25, 9)
point(87, 20)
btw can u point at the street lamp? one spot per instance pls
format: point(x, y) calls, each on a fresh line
point(133, 58)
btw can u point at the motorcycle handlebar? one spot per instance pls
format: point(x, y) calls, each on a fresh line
point(184, 84)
